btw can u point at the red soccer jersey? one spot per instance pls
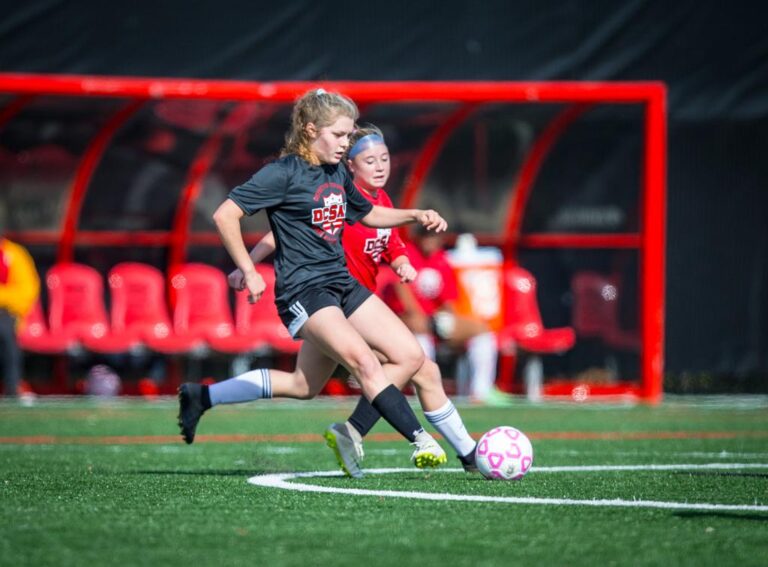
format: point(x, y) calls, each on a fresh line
point(365, 248)
point(436, 282)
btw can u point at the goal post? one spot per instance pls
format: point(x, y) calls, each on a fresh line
point(203, 134)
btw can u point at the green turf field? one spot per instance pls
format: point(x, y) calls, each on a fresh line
point(88, 483)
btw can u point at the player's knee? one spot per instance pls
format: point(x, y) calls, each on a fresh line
point(364, 365)
point(413, 358)
point(428, 377)
point(301, 388)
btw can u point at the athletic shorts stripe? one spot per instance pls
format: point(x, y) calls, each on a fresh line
point(347, 295)
point(299, 318)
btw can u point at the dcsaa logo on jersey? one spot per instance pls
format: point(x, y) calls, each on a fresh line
point(376, 246)
point(330, 217)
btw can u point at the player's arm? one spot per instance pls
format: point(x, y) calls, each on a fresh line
point(385, 217)
point(263, 248)
point(227, 220)
point(403, 268)
point(396, 256)
point(413, 313)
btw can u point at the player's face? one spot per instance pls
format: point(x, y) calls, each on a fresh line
point(330, 142)
point(371, 167)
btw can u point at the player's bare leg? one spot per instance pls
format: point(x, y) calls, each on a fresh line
point(428, 382)
point(313, 368)
point(387, 334)
point(340, 339)
point(442, 414)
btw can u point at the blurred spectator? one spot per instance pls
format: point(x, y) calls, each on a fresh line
point(428, 308)
point(19, 289)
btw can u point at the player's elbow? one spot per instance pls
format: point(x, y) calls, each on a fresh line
point(218, 217)
point(368, 220)
point(223, 215)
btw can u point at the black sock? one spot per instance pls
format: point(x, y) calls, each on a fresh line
point(205, 397)
point(393, 407)
point(364, 417)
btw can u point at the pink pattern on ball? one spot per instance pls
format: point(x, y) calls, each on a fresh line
point(504, 453)
point(495, 460)
point(513, 434)
point(514, 451)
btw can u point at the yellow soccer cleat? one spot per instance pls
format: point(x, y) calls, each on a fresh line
point(428, 453)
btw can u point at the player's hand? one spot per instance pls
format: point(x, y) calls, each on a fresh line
point(432, 220)
point(406, 272)
point(255, 285)
point(236, 280)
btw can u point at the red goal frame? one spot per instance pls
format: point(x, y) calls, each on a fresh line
point(649, 240)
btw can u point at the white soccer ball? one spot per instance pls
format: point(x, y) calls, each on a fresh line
point(504, 453)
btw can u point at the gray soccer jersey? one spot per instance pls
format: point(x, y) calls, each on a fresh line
point(307, 207)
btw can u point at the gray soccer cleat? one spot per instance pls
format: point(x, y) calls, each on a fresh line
point(347, 445)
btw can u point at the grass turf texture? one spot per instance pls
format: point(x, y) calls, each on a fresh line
point(83, 482)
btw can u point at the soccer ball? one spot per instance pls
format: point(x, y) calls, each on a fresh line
point(504, 453)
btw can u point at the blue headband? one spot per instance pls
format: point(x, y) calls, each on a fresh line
point(364, 143)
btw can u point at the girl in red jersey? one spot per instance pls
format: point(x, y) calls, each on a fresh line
point(364, 249)
point(308, 196)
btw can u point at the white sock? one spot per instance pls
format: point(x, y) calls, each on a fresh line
point(253, 385)
point(427, 344)
point(483, 355)
point(448, 422)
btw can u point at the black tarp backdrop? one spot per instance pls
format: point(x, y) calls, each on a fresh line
point(712, 55)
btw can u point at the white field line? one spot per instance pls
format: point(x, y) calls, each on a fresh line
point(651, 467)
point(666, 454)
point(281, 481)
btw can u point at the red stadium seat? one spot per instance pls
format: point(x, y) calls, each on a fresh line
point(523, 319)
point(201, 304)
point(34, 335)
point(524, 328)
point(77, 312)
point(257, 325)
point(139, 308)
point(261, 319)
point(596, 311)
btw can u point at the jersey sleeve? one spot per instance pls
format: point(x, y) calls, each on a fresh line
point(357, 205)
point(396, 246)
point(267, 188)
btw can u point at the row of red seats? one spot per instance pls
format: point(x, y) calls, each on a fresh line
point(200, 316)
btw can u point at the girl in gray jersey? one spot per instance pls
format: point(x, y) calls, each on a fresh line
point(308, 195)
point(369, 162)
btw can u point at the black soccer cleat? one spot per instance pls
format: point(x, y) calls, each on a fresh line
point(468, 462)
point(190, 409)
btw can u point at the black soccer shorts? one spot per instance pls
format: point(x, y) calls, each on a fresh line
point(346, 294)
